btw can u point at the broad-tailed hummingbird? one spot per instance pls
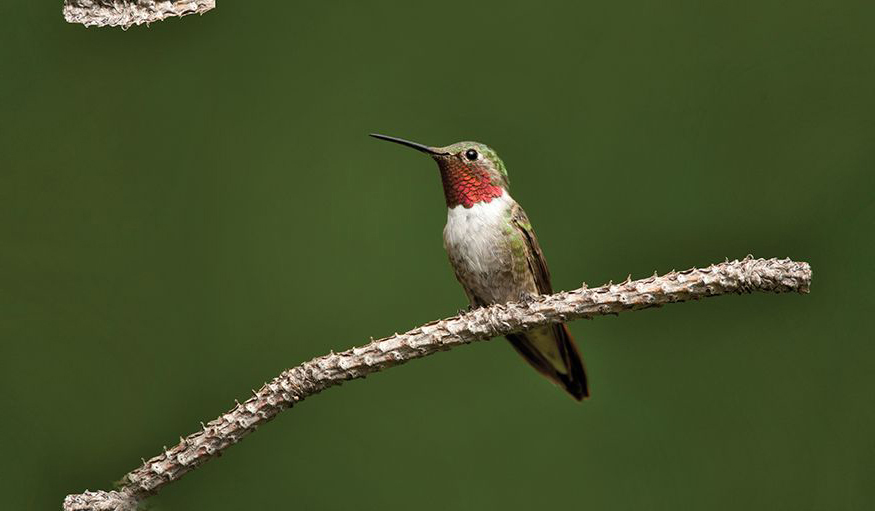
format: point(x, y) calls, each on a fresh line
point(495, 254)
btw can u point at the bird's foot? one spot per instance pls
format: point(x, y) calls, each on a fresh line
point(528, 298)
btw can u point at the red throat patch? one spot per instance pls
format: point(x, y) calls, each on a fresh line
point(466, 184)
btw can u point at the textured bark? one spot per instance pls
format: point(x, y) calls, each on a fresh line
point(124, 13)
point(309, 378)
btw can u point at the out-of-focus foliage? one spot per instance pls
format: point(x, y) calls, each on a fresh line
point(188, 209)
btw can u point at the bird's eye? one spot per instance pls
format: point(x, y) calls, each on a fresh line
point(471, 154)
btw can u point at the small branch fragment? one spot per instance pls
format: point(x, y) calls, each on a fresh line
point(124, 13)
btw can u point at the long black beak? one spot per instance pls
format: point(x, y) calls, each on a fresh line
point(414, 145)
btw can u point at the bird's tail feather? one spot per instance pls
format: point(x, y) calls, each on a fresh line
point(573, 378)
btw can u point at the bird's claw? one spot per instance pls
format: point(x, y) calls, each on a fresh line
point(528, 298)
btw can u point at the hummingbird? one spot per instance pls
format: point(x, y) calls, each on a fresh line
point(495, 254)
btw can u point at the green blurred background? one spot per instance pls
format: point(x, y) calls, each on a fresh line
point(188, 209)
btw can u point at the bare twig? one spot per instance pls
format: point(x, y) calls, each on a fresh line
point(124, 13)
point(293, 385)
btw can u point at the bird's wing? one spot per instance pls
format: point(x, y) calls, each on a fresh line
point(537, 264)
point(536, 345)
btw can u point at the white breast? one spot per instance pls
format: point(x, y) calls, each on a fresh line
point(476, 237)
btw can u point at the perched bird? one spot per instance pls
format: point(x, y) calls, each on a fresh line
point(495, 254)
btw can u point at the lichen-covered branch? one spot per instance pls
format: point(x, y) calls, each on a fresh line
point(309, 378)
point(124, 13)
